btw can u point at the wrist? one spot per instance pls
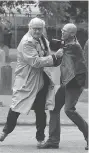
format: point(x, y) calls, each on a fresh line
point(54, 60)
point(55, 56)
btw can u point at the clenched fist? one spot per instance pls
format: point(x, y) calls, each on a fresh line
point(59, 53)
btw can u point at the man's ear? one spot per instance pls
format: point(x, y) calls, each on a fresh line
point(72, 34)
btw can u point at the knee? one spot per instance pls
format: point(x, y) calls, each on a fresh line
point(68, 111)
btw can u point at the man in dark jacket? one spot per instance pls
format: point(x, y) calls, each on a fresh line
point(73, 76)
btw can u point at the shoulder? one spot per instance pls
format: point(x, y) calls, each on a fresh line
point(27, 40)
point(76, 46)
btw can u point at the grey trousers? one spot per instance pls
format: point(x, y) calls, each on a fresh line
point(68, 96)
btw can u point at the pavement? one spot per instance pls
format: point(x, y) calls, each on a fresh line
point(81, 107)
point(22, 140)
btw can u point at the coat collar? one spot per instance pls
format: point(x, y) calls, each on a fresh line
point(30, 38)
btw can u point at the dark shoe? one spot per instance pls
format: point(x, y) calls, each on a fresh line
point(3, 136)
point(49, 145)
point(86, 148)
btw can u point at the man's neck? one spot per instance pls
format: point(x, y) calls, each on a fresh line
point(70, 41)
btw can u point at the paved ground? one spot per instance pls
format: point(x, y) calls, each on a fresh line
point(22, 140)
point(82, 108)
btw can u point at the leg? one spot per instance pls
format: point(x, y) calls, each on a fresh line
point(39, 107)
point(40, 124)
point(71, 97)
point(54, 127)
point(10, 124)
point(54, 124)
point(11, 121)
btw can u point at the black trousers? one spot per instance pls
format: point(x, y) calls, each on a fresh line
point(39, 108)
point(67, 96)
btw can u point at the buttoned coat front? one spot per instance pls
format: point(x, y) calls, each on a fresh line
point(29, 76)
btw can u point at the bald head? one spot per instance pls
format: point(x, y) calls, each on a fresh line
point(69, 31)
point(71, 28)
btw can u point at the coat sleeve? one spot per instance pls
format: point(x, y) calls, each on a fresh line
point(31, 57)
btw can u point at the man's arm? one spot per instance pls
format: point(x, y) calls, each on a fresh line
point(31, 57)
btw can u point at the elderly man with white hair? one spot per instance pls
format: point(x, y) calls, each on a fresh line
point(33, 87)
point(73, 76)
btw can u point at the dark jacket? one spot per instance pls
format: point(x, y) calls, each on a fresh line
point(72, 62)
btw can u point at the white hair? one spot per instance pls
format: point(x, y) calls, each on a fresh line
point(36, 21)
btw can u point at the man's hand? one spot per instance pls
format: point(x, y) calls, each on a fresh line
point(59, 53)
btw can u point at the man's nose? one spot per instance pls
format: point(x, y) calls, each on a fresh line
point(37, 30)
point(63, 31)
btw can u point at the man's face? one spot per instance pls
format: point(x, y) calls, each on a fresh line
point(69, 31)
point(36, 31)
point(65, 33)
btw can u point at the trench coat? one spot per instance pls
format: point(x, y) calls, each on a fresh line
point(29, 76)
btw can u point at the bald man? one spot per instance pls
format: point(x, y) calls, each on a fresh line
point(31, 88)
point(73, 76)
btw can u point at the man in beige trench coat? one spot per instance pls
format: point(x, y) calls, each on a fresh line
point(33, 86)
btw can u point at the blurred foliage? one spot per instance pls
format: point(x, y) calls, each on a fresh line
point(79, 11)
point(61, 11)
point(65, 11)
point(55, 9)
